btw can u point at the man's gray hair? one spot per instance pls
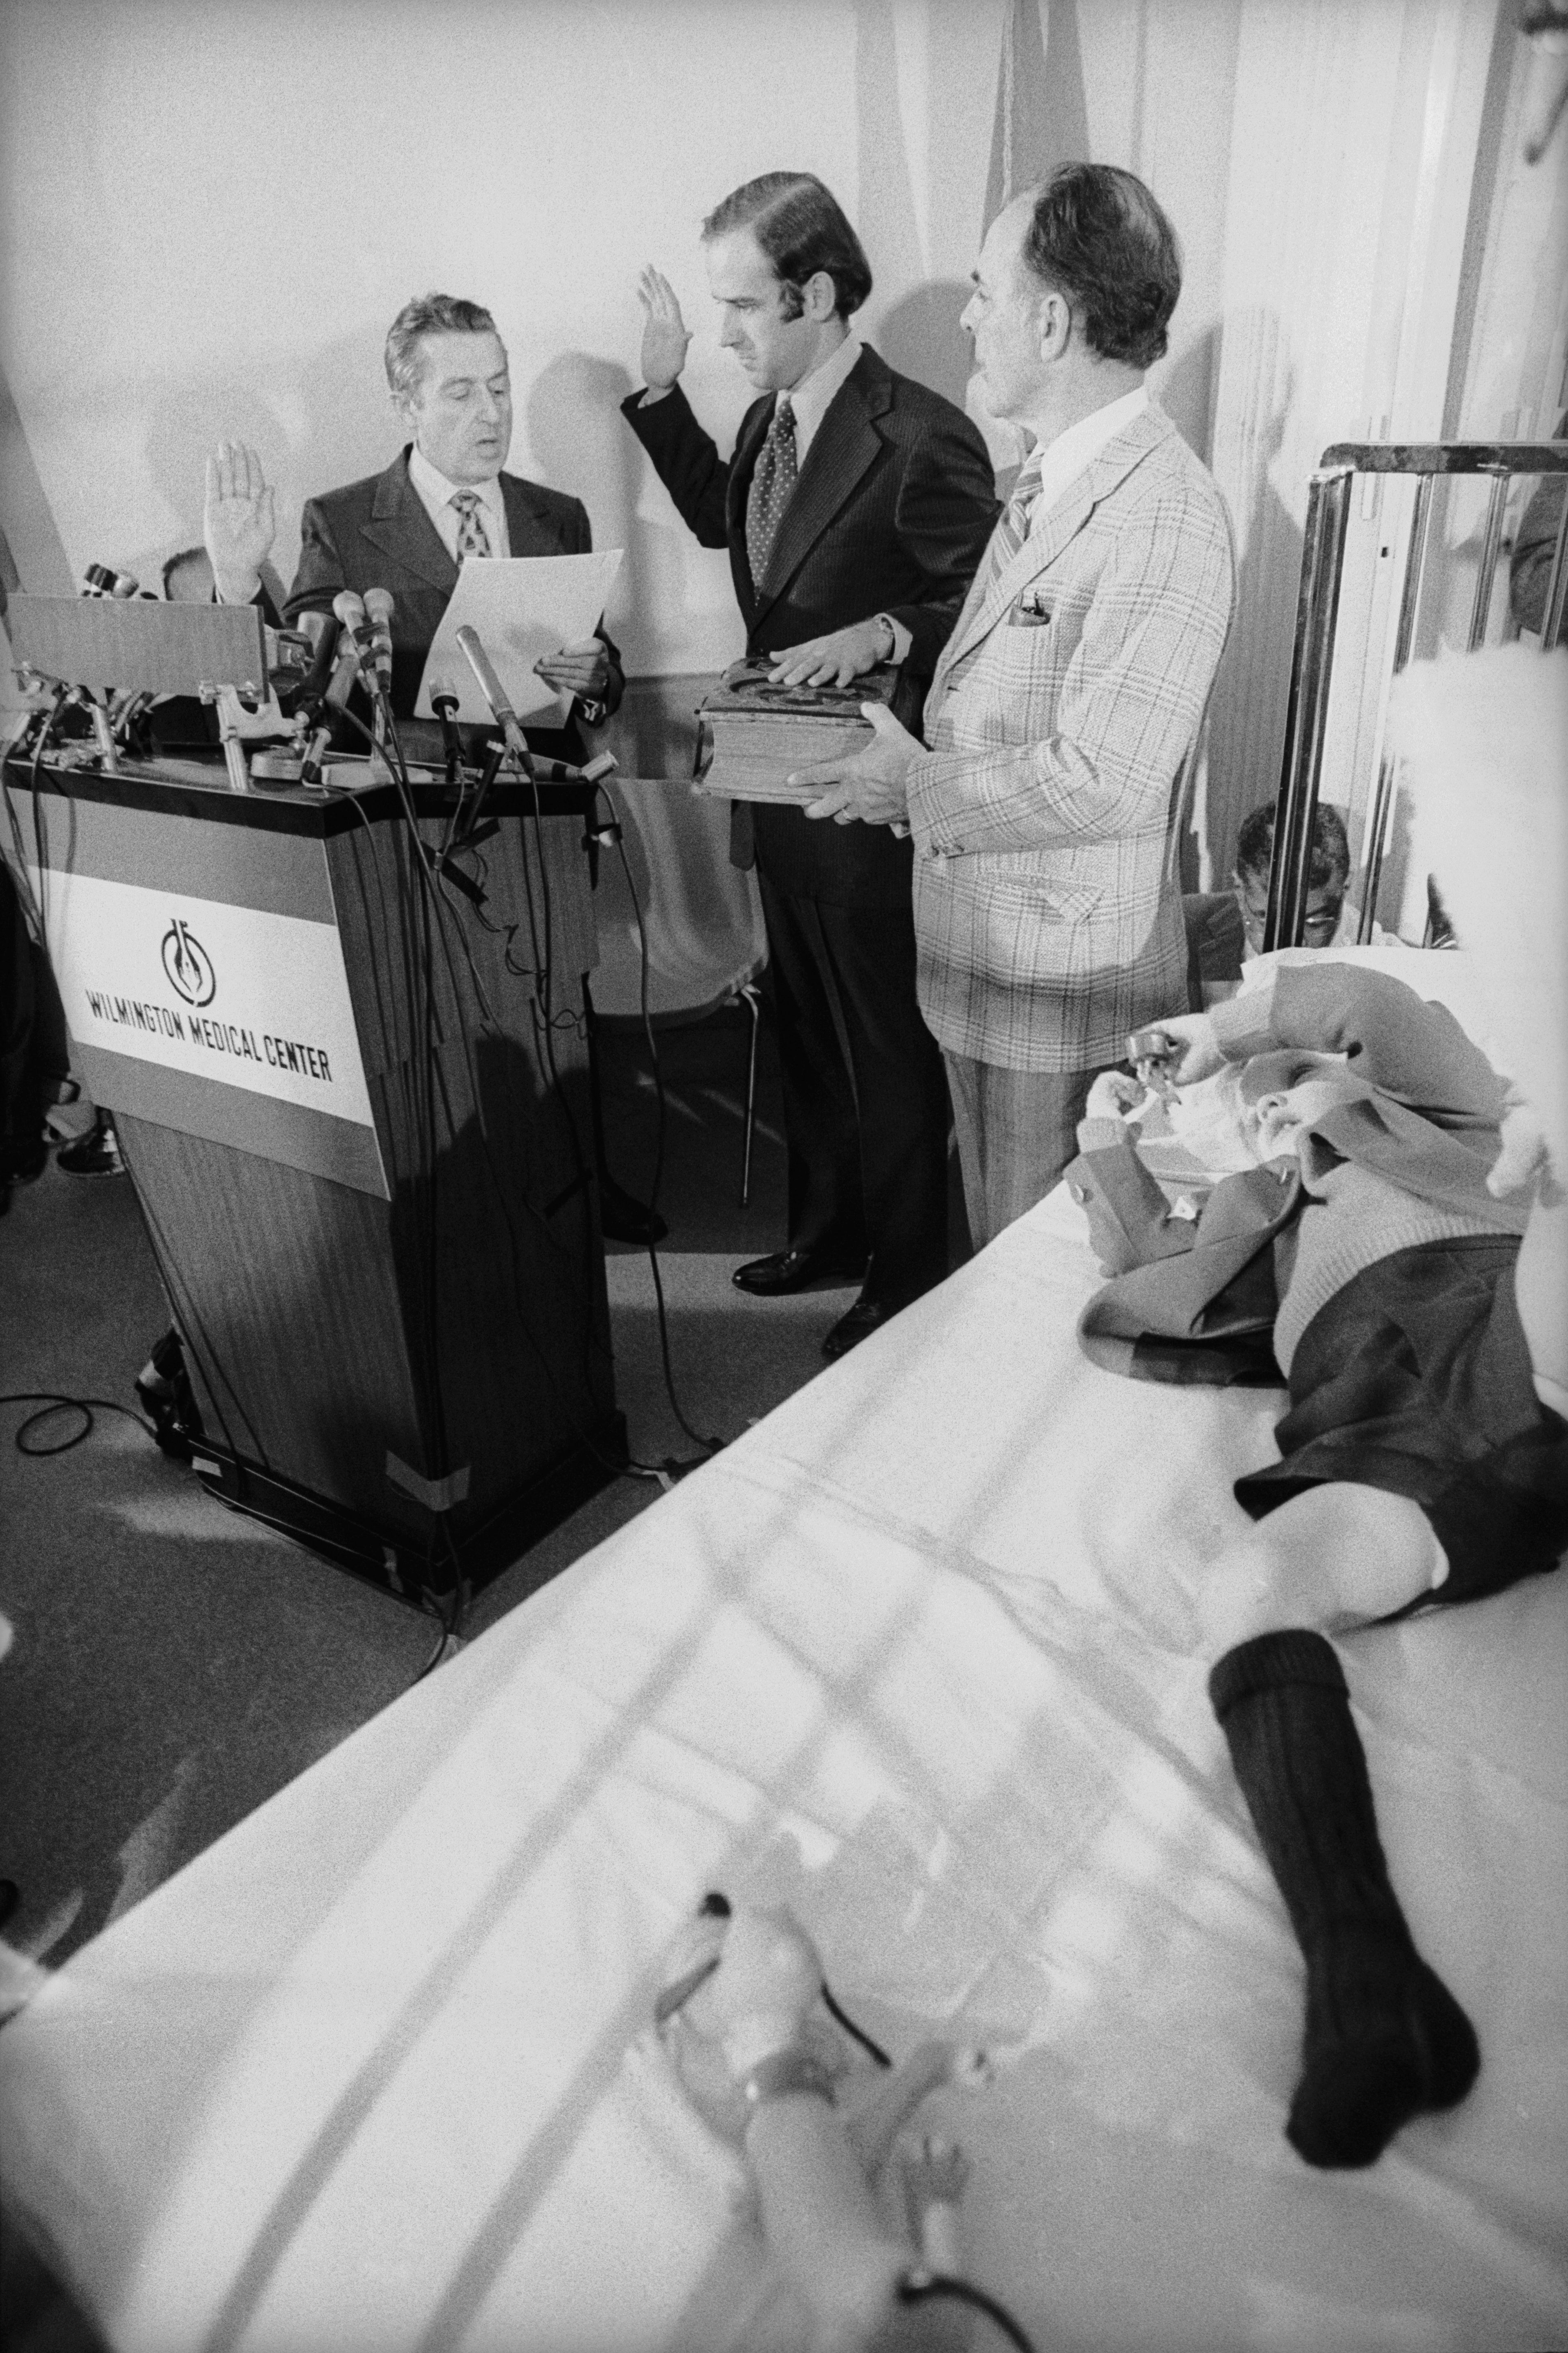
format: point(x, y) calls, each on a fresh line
point(428, 314)
point(1098, 235)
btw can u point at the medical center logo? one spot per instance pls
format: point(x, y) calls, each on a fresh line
point(188, 964)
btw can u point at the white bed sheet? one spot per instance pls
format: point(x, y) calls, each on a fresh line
point(919, 1655)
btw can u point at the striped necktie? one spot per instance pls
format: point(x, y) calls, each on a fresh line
point(773, 482)
point(473, 539)
point(1012, 526)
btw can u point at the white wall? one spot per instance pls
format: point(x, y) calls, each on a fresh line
point(213, 210)
point(210, 209)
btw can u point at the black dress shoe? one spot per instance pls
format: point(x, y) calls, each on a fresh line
point(622, 1220)
point(96, 1154)
point(867, 1315)
point(795, 1270)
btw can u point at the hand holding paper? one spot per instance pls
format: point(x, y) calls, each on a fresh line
point(580, 669)
point(535, 616)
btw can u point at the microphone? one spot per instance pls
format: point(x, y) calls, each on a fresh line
point(444, 703)
point(348, 606)
point(103, 580)
point(378, 603)
point(495, 694)
point(338, 689)
point(321, 632)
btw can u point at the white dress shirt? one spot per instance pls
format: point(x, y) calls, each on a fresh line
point(435, 496)
point(1065, 458)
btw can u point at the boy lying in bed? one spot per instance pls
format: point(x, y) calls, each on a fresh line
point(1364, 1223)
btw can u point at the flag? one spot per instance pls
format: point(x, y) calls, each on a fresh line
point(1041, 117)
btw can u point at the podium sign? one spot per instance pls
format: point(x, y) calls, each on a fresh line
point(233, 996)
point(205, 992)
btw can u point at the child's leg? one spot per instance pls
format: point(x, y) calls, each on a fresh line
point(1334, 1557)
point(1383, 2038)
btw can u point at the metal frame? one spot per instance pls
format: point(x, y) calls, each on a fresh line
point(1317, 615)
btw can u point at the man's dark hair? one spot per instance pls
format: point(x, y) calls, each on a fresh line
point(428, 314)
point(1331, 864)
point(801, 228)
point(1099, 238)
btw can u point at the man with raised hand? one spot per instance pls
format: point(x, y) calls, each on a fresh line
point(443, 499)
point(855, 508)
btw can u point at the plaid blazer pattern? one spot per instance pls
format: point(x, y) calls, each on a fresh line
point(1047, 909)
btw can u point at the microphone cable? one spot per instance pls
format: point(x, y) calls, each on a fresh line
point(615, 832)
point(630, 1466)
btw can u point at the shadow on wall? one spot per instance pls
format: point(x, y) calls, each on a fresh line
point(1246, 734)
point(918, 334)
point(921, 337)
point(579, 442)
point(330, 426)
point(1187, 389)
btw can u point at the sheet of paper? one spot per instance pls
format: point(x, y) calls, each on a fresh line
point(523, 607)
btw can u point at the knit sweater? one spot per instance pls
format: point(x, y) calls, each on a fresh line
point(1399, 1157)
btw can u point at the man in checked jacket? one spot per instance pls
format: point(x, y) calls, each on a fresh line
point(1048, 910)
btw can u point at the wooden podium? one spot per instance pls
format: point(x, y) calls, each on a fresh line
point(361, 1138)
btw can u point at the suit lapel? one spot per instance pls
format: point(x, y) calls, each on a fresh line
point(400, 527)
point(1064, 521)
point(529, 529)
point(844, 446)
point(1042, 547)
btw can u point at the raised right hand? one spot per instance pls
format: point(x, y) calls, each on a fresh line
point(238, 525)
point(664, 335)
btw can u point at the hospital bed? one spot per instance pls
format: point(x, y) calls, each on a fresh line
point(919, 1656)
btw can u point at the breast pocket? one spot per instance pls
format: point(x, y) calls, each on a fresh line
point(1032, 610)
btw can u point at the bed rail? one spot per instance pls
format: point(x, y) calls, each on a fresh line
point(1316, 614)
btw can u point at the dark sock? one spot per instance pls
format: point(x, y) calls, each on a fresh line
point(1385, 2039)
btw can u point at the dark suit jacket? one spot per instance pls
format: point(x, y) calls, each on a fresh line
point(375, 533)
point(892, 512)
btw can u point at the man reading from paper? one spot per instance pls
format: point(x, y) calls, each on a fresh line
point(443, 500)
point(442, 503)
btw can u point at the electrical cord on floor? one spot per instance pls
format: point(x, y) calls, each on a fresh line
point(50, 1402)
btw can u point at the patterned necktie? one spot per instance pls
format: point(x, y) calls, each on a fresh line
point(772, 486)
point(473, 539)
point(1013, 528)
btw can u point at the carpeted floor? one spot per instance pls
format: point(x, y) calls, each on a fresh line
point(174, 1664)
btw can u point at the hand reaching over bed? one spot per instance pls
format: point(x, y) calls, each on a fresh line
point(742, 2019)
point(1115, 1095)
